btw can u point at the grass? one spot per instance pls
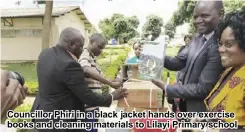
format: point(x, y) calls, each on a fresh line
point(28, 70)
point(172, 51)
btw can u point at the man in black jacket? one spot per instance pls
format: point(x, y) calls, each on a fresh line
point(62, 83)
point(200, 61)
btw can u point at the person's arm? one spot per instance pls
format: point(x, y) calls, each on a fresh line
point(208, 78)
point(12, 94)
point(178, 62)
point(74, 79)
point(94, 74)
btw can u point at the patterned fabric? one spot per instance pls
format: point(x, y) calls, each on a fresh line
point(87, 60)
point(231, 98)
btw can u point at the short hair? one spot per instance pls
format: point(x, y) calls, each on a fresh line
point(95, 37)
point(187, 36)
point(136, 42)
point(236, 20)
point(218, 5)
point(68, 33)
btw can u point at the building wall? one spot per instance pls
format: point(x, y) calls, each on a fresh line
point(25, 46)
point(20, 49)
point(71, 20)
point(22, 44)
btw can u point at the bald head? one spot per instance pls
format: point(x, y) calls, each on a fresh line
point(72, 40)
point(69, 34)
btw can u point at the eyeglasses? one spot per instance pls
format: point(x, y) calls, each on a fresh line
point(228, 43)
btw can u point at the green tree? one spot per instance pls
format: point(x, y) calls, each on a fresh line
point(185, 12)
point(107, 29)
point(170, 29)
point(120, 27)
point(152, 21)
point(233, 4)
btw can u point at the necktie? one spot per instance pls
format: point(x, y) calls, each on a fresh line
point(200, 41)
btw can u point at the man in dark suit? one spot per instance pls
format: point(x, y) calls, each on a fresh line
point(201, 60)
point(62, 83)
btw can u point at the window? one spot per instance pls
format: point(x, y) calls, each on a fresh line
point(7, 33)
point(23, 33)
point(37, 32)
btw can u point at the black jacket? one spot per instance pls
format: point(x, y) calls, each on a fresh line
point(62, 86)
point(202, 70)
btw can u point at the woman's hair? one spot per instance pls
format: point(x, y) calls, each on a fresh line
point(235, 20)
point(187, 36)
point(136, 42)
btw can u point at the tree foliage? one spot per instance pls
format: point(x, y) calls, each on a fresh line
point(233, 4)
point(170, 29)
point(119, 27)
point(185, 12)
point(152, 21)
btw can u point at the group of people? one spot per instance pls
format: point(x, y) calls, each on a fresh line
point(211, 68)
point(211, 73)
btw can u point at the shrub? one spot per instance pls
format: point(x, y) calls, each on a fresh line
point(32, 87)
point(114, 47)
point(22, 108)
point(102, 55)
point(112, 70)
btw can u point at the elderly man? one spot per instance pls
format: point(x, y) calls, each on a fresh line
point(62, 83)
point(201, 60)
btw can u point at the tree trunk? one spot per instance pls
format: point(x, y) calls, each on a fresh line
point(47, 24)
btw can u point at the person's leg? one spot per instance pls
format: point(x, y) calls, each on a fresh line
point(92, 120)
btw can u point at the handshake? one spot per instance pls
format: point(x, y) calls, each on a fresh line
point(122, 92)
point(119, 92)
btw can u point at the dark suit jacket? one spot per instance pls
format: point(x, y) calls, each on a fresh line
point(62, 85)
point(202, 70)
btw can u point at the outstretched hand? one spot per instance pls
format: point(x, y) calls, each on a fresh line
point(158, 83)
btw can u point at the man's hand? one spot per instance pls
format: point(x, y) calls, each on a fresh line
point(12, 94)
point(116, 84)
point(119, 93)
point(158, 83)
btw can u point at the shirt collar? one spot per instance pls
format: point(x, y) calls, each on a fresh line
point(73, 56)
point(90, 52)
point(209, 35)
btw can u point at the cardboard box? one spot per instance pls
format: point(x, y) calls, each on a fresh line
point(142, 94)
